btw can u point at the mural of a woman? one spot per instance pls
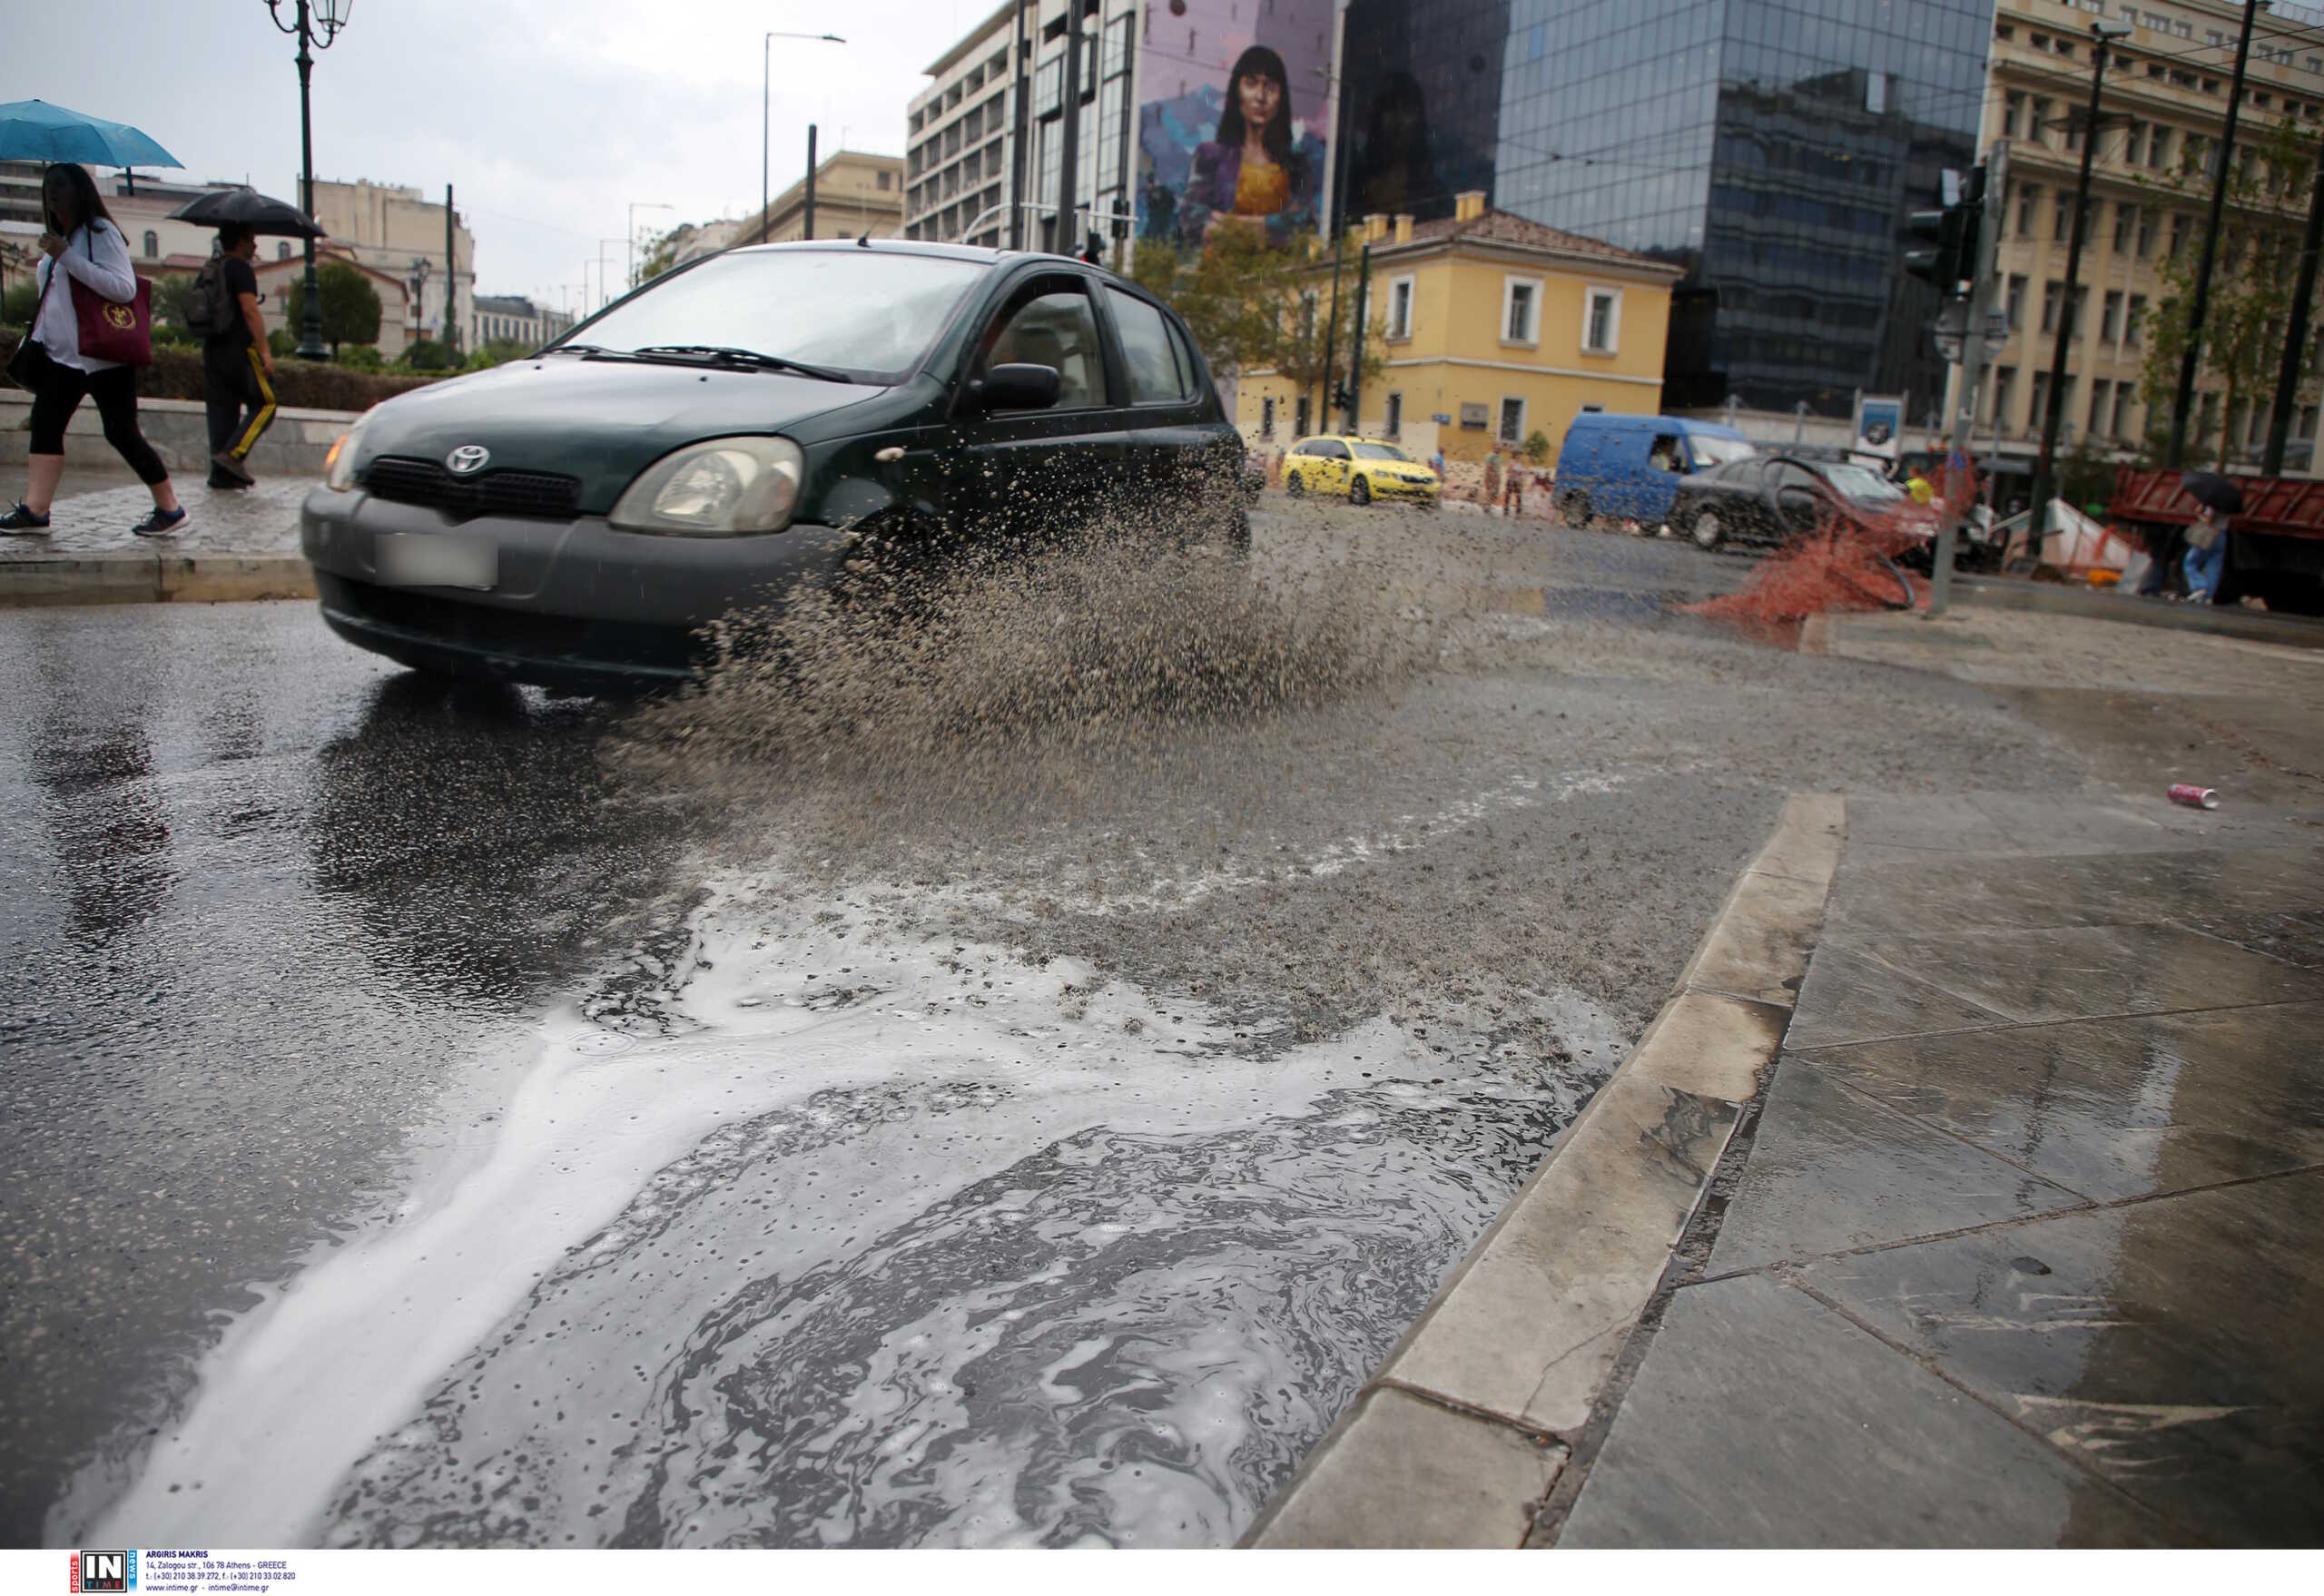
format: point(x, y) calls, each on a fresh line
point(1250, 175)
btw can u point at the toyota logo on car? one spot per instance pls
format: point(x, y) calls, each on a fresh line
point(467, 459)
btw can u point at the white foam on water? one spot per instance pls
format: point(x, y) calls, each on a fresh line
point(837, 1100)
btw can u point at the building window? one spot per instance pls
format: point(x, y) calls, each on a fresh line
point(2013, 107)
point(2028, 197)
point(2050, 291)
point(2120, 426)
point(1512, 419)
point(2060, 213)
point(2038, 408)
point(283, 251)
point(883, 180)
point(2110, 323)
point(2179, 225)
point(1267, 417)
point(2134, 143)
point(152, 243)
point(2125, 216)
point(1603, 322)
point(2158, 148)
point(1394, 421)
point(1399, 308)
point(2015, 300)
point(2038, 130)
point(2004, 382)
point(2134, 320)
point(1302, 412)
point(2146, 231)
point(2099, 409)
point(1517, 303)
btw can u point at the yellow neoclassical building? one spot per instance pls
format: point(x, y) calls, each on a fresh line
point(1492, 328)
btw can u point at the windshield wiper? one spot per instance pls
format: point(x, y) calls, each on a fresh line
point(589, 351)
point(728, 355)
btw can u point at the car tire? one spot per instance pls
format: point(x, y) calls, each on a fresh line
point(1706, 530)
point(1292, 486)
point(1359, 491)
point(1574, 511)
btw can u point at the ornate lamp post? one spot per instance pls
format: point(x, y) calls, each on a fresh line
point(316, 25)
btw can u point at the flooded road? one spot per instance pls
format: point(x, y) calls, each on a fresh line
point(426, 1133)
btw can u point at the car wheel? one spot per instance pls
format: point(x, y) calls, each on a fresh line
point(1706, 530)
point(1293, 486)
point(1575, 511)
point(1359, 491)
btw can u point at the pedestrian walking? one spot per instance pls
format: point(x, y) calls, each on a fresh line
point(81, 245)
point(237, 366)
point(1513, 491)
point(1436, 462)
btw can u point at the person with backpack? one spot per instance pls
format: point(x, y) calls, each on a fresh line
point(237, 366)
point(85, 252)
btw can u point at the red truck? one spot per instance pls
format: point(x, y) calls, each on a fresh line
point(2275, 545)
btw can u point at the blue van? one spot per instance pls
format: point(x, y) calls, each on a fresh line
point(1629, 467)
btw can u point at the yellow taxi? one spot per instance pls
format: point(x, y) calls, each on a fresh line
point(1359, 469)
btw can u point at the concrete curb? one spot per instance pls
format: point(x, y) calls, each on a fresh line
point(2042, 598)
point(1460, 1434)
point(160, 578)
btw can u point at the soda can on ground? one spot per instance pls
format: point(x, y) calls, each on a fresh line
point(2194, 797)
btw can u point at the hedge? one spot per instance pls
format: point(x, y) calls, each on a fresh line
point(176, 374)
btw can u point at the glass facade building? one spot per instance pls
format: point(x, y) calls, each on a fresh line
point(1774, 148)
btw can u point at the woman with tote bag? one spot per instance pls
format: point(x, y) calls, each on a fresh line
point(91, 308)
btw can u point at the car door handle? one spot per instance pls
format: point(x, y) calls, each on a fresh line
point(890, 455)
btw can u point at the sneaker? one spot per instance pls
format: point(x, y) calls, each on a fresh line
point(162, 524)
point(225, 460)
point(22, 522)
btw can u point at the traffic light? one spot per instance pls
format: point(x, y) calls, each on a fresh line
point(1944, 243)
point(1339, 396)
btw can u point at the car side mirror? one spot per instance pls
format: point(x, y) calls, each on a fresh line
point(1017, 386)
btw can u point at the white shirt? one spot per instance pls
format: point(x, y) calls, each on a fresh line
point(102, 264)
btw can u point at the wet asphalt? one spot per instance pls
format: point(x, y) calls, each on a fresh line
point(282, 924)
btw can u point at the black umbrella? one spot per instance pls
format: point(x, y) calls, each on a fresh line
point(248, 208)
point(2209, 487)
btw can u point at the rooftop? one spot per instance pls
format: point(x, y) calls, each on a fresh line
point(1500, 227)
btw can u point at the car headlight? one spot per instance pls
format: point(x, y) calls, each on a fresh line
point(339, 466)
point(723, 487)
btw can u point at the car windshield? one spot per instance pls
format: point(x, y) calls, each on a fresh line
point(1718, 451)
point(871, 314)
point(1863, 485)
point(1379, 451)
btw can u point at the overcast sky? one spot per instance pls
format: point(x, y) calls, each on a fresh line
point(546, 116)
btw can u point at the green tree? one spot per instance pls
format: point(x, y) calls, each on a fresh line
point(172, 297)
point(1537, 447)
point(350, 305)
point(2250, 309)
point(429, 355)
point(1253, 307)
point(2085, 473)
point(16, 304)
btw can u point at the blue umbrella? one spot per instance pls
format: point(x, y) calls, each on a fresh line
point(35, 130)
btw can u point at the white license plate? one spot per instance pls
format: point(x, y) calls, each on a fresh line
point(430, 559)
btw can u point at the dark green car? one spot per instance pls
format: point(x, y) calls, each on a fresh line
point(577, 517)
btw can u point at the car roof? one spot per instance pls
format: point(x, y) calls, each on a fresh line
point(1345, 437)
point(905, 246)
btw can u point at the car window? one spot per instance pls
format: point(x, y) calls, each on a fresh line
point(1058, 329)
point(1380, 451)
point(1331, 449)
point(1155, 377)
point(1189, 379)
point(867, 312)
point(1662, 455)
point(1790, 476)
point(1718, 450)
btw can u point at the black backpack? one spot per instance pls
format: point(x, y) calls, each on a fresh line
point(209, 310)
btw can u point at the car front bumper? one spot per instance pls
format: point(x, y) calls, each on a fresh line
point(1394, 487)
point(575, 603)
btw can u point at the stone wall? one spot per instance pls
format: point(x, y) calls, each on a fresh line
point(178, 430)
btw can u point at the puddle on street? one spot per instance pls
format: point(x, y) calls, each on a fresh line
point(846, 1237)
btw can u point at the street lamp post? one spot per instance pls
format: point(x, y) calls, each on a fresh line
point(316, 25)
point(766, 111)
point(2101, 33)
point(635, 207)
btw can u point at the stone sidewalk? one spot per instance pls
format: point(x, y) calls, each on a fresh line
point(236, 546)
point(2019, 1247)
